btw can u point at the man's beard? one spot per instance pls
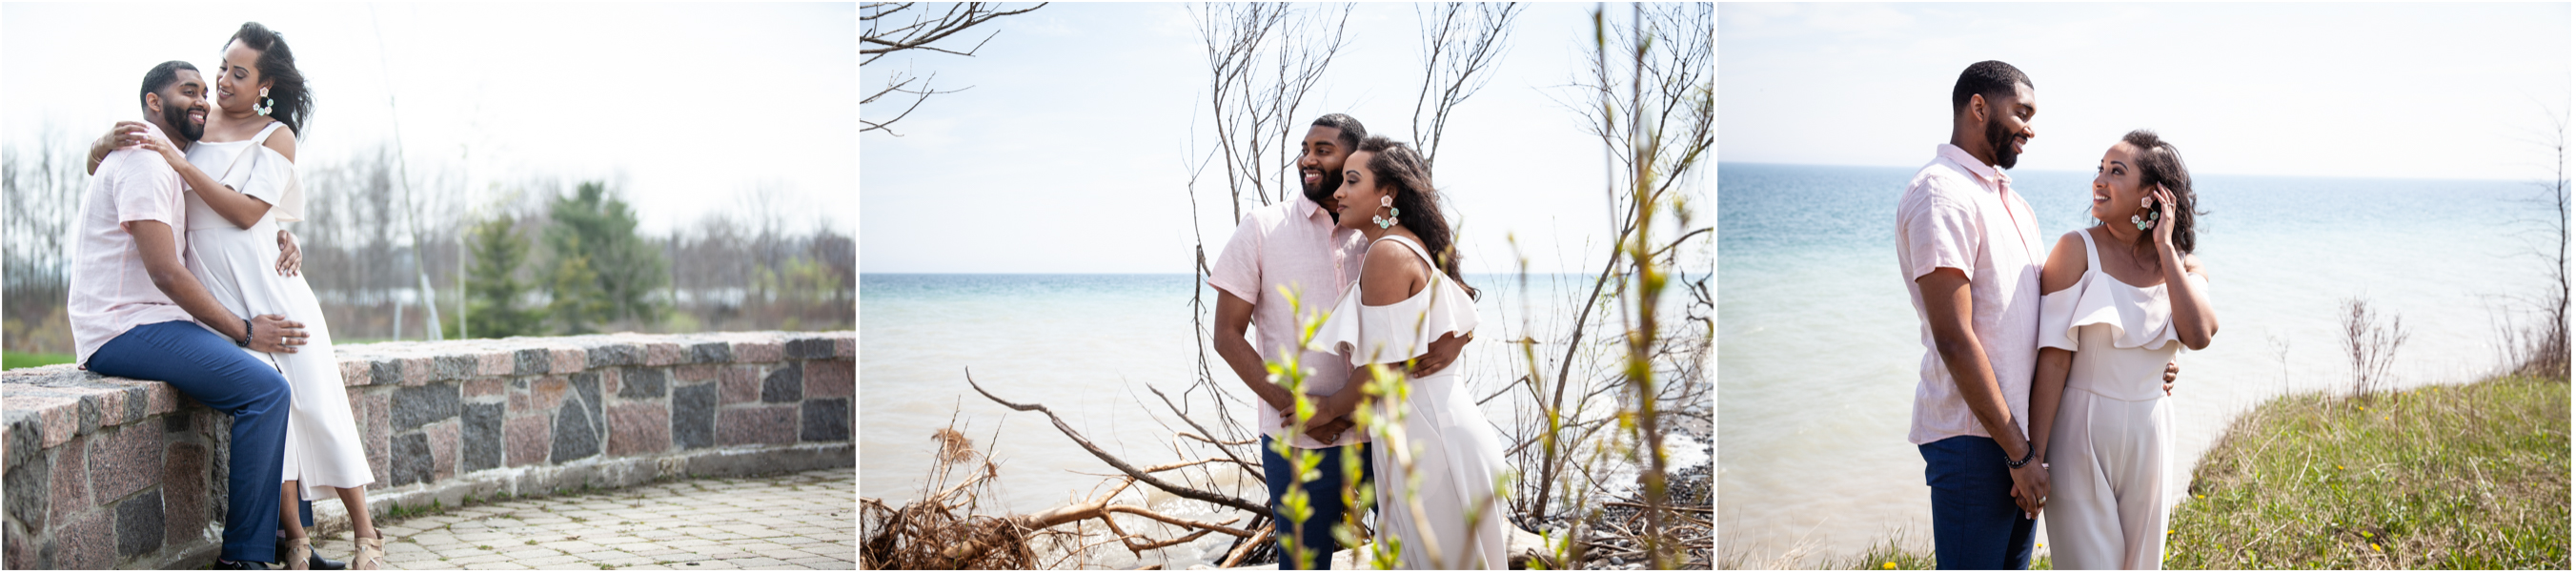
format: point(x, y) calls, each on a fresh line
point(178, 119)
point(1321, 192)
point(2001, 139)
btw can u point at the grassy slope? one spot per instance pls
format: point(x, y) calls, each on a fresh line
point(2464, 477)
point(2455, 477)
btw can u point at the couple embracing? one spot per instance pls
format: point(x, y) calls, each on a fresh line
point(2077, 341)
point(1369, 235)
point(181, 274)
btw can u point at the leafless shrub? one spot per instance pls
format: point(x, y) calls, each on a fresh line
point(2371, 346)
point(43, 189)
point(1459, 40)
point(2539, 347)
point(1652, 109)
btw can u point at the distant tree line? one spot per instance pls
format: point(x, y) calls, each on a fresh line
point(535, 257)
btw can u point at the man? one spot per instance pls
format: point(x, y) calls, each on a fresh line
point(1295, 247)
point(128, 133)
point(1970, 250)
point(138, 312)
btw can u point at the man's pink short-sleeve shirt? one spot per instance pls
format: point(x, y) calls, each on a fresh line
point(110, 290)
point(1293, 246)
point(1960, 213)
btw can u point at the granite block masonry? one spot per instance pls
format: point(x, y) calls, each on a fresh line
point(105, 472)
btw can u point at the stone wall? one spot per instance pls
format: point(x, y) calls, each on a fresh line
point(105, 472)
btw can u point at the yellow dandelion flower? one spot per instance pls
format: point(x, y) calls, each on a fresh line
point(2338, 467)
point(2201, 495)
point(2374, 547)
point(2043, 545)
point(1887, 566)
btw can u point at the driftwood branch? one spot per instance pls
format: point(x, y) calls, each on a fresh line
point(1113, 460)
point(1204, 435)
point(1235, 558)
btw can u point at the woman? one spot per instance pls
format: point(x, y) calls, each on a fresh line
point(1444, 511)
point(2115, 298)
point(241, 185)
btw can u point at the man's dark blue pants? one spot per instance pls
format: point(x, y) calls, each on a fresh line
point(1975, 524)
point(1324, 495)
point(212, 370)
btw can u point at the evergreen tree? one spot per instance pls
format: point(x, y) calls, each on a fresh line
point(596, 233)
point(578, 305)
point(492, 285)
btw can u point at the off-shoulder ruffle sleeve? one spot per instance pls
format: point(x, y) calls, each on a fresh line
point(2056, 315)
point(1341, 329)
point(2141, 317)
point(1392, 333)
point(272, 179)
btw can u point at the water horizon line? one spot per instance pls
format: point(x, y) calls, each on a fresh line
point(864, 274)
point(1721, 165)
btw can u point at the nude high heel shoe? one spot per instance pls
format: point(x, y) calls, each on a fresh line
point(371, 555)
point(299, 553)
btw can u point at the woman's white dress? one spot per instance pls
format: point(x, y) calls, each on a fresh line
point(2112, 440)
point(239, 267)
point(1456, 455)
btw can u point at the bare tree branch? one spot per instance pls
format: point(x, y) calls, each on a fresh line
point(1114, 461)
point(922, 34)
point(1458, 47)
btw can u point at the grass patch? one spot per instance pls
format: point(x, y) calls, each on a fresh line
point(1890, 554)
point(16, 360)
point(398, 512)
point(2469, 477)
point(2451, 477)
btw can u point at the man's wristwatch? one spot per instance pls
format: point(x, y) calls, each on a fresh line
point(244, 342)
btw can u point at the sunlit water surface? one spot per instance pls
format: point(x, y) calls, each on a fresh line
point(1088, 347)
point(1818, 345)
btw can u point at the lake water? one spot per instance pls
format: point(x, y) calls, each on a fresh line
point(1818, 345)
point(1088, 347)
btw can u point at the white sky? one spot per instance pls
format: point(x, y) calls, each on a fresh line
point(2445, 90)
point(694, 104)
point(1067, 155)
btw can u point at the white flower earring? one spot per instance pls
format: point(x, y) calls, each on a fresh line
point(265, 104)
point(1388, 202)
point(2146, 221)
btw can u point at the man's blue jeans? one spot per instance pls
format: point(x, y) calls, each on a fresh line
point(212, 370)
point(1975, 524)
point(1324, 495)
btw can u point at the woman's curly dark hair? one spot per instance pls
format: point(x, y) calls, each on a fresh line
point(2160, 163)
point(1402, 172)
point(294, 101)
